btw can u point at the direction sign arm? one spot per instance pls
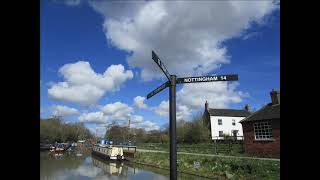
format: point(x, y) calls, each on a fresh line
point(232, 77)
point(158, 89)
point(160, 64)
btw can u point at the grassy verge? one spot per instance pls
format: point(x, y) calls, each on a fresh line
point(213, 167)
point(223, 149)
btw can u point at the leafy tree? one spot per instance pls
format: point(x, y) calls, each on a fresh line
point(55, 130)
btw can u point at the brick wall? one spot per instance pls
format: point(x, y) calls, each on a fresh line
point(262, 148)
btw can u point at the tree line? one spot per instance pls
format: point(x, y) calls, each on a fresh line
point(55, 130)
point(187, 132)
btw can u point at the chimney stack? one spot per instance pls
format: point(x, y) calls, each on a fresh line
point(206, 105)
point(247, 108)
point(275, 97)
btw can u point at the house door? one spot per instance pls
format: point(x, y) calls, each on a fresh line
point(235, 133)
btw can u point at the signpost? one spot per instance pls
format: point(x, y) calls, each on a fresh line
point(196, 164)
point(171, 83)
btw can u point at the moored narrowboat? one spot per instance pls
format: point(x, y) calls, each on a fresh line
point(108, 151)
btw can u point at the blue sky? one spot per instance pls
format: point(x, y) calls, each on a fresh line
point(91, 36)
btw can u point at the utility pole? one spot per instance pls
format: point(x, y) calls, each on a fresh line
point(128, 136)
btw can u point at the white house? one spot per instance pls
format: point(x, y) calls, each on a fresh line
point(224, 121)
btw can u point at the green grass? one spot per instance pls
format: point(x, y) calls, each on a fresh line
point(223, 149)
point(228, 168)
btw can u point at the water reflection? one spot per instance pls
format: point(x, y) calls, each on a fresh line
point(72, 166)
point(112, 167)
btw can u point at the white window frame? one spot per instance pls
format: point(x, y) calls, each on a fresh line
point(263, 130)
point(219, 123)
point(233, 122)
point(220, 135)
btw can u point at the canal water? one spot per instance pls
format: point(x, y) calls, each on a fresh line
point(72, 166)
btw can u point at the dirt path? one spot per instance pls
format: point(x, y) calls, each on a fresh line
point(210, 155)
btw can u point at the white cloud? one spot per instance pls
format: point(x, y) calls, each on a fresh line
point(183, 111)
point(147, 125)
point(187, 35)
point(98, 130)
point(93, 117)
point(192, 97)
point(162, 109)
point(63, 111)
point(218, 94)
point(136, 119)
point(139, 102)
point(114, 112)
point(73, 2)
point(250, 35)
point(82, 85)
point(117, 111)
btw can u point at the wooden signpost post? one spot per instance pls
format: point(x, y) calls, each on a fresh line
point(171, 83)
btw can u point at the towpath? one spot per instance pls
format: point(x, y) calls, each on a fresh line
point(210, 155)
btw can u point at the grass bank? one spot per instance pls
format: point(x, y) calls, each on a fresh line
point(209, 148)
point(214, 167)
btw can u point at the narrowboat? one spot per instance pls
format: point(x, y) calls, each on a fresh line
point(108, 151)
point(59, 148)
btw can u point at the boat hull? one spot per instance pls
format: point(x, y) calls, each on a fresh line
point(109, 153)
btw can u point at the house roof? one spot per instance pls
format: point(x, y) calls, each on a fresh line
point(228, 112)
point(267, 112)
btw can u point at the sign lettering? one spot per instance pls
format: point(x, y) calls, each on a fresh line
point(156, 91)
point(196, 164)
point(207, 79)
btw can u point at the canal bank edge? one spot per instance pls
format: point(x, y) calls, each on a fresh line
point(224, 168)
point(184, 172)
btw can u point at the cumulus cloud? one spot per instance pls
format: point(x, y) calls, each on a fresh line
point(63, 111)
point(139, 102)
point(192, 97)
point(136, 119)
point(82, 85)
point(162, 109)
point(187, 35)
point(183, 111)
point(93, 117)
point(99, 130)
point(147, 125)
point(114, 112)
point(218, 94)
point(117, 111)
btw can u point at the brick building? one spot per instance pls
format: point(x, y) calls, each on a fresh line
point(261, 130)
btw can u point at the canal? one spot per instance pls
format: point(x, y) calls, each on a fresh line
point(83, 167)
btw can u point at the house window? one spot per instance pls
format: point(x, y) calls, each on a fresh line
point(220, 133)
point(219, 121)
point(262, 131)
point(233, 122)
